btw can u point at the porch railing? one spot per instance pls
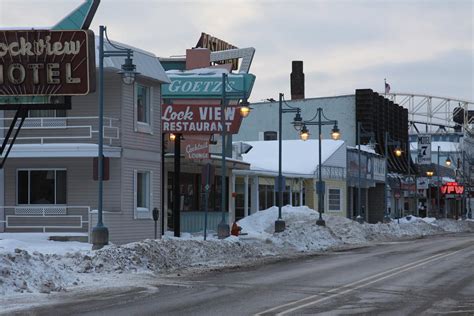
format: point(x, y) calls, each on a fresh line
point(44, 217)
point(41, 130)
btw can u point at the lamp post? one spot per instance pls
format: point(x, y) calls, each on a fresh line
point(398, 152)
point(100, 233)
point(335, 134)
point(439, 182)
point(223, 227)
point(430, 175)
point(360, 131)
point(297, 121)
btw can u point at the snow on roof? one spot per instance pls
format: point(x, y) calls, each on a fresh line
point(444, 146)
point(198, 71)
point(365, 148)
point(148, 65)
point(298, 157)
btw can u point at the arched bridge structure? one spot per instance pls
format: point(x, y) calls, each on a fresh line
point(430, 114)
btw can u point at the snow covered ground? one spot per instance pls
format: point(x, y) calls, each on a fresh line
point(29, 263)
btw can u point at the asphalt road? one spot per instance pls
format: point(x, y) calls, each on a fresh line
point(430, 276)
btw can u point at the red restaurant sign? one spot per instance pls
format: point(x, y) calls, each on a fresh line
point(452, 188)
point(45, 62)
point(199, 119)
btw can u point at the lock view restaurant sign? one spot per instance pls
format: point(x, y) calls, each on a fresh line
point(45, 62)
point(199, 119)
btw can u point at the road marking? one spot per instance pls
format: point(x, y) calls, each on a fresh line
point(371, 279)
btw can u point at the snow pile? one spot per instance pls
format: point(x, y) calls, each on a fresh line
point(42, 266)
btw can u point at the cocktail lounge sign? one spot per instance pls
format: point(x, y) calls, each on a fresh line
point(199, 119)
point(45, 62)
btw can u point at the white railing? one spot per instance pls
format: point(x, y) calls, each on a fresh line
point(61, 129)
point(37, 217)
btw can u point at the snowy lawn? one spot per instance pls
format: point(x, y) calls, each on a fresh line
point(30, 263)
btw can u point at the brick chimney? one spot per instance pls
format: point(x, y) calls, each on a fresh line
point(297, 80)
point(198, 58)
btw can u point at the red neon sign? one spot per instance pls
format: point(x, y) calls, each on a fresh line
point(452, 188)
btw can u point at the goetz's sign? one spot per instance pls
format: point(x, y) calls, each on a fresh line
point(199, 119)
point(452, 188)
point(202, 86)
point(44, 62)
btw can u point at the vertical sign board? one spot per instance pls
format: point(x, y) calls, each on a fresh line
point(47, 63)
point(424, 149)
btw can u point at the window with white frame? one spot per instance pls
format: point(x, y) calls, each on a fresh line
point(142, 194)
point(334, 199)
point(41, 186)
point(143, 104)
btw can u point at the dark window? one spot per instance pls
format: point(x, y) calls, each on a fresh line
point(42, 187)
point(270, 135)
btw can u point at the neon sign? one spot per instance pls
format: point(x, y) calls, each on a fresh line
point(452, 188)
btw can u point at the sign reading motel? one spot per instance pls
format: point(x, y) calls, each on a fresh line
point(45, 62)
point(199, 119)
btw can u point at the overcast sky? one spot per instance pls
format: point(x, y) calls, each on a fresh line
point(424, 47)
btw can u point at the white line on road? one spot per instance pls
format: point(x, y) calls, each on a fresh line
point(371, 279)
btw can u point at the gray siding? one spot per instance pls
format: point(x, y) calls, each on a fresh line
point(123, 227)
point(82, 190)
point(264, 117)
point(132, 138)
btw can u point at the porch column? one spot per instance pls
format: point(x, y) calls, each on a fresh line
point(165, 199)
point(246, 196)
point(2, 200)
point(230, 191)
point(301, 191)
point(254, 196)
point(291, 192)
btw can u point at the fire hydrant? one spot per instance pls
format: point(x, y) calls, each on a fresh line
point(235, 231)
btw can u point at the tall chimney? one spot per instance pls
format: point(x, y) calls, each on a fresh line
point(297, 80)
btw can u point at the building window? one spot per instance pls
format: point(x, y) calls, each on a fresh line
point(45, 186)
point(334, 197)
point(142, 194)
point(270, 135)
point(143, 109)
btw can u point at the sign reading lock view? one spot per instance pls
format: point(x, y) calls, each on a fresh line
point(44, 62)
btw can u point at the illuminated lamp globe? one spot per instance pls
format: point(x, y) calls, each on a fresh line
point(304, 133)
point(398, 152)
point(245, 108)
point(172, 137)
point(335, 133)
point(448, 162)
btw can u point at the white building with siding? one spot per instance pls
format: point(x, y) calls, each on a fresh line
point(47, 183)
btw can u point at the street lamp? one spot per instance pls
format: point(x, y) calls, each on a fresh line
point(398, 152)
point(360, 132)
point(304, 135)
point(429, 174)
point(439, 182)
point(297, 121)
point(223, 228)
point(100, 233)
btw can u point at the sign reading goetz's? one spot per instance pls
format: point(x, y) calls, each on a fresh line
point(199, 119)
point(204, 86)
point(45, 62)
